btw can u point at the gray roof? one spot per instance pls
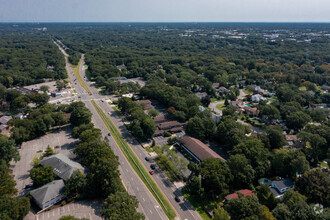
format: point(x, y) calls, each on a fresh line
point(275, 191)
point(48, 192)
point(284, 183)
point(63, 166)
point(5, 119)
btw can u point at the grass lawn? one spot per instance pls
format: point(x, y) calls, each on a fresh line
point(302, 88)
point(117, 111)
point(248, 91)
point(221, 106)
point(75, 69)
point(197, 204)
point(216, 100)
point(324, 164)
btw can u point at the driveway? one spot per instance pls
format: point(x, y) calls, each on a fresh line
point(213, 107)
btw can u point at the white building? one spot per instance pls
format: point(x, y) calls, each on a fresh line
point(258, 98)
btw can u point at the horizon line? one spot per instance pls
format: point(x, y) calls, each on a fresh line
point(163, 22)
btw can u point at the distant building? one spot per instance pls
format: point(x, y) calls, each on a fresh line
point(264, 181)
point(25, 91)
point(201, 95)
point(197, 149)
point(251, 111)
point(223, 90)
point(215, 86)
point(237, 103)
point(279, 187)
point(49, 194)
point(146, 104)
point(121, 79)
point(243, 192)
point(121, 67)
point(258, 98)
point(4, 120)
point(293, 141)
point(63, 166)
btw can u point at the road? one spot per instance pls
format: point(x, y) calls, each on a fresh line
point(148, 205)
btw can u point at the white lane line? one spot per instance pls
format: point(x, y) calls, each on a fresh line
point(150, 211)
point(143, 199)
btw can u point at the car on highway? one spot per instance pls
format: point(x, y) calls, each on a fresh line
point(177, 199)
point(153, 166)
point(151, 172)
point(147, 158)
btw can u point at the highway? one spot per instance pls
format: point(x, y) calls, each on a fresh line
point(148, 204)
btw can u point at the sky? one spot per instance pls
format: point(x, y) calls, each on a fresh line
point(164, 10)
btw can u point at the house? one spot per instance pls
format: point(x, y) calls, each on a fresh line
point(222, 90)
point(197, 149)
point(215, 86)
point(160, 119)
point(251, 111)
point(201, 108)
point(146, 104)
point(3, 128)
point(256, 88)
point(264, 181)
point(121, 67)
point(237, 103)
point(121, 79)
point(49, 194)
point(201, 95)
point(293, 141)
point(243, 192)
point(171, 126)
point(4, 119)
point(257, 98)
point(279, 187)
point(63, 166)
point(216, 117)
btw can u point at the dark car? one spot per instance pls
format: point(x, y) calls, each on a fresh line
point(177, 199)
point(109, 134)
point(153, 166)
point(147, 159)
point(28, 186)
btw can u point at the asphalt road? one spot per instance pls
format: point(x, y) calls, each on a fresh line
point(148, 204)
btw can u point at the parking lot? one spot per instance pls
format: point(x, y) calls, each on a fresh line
point(80, 209)
point(33, 148)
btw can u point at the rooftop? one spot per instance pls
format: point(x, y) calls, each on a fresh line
point(198, 148)
point(284, 183)
point(63, 166)
point(5, 119)
point(244, 192)
point(48, 192)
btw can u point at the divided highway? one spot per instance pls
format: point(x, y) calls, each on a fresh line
point(148, 204)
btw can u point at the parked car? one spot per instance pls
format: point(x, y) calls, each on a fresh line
point(177, 199)
point(28, 186)
point(147, 158)
point(151, 172)
point(153, 166)
point(109, 134)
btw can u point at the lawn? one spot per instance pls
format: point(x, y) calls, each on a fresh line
point(75, 69)
point(221, 106)
point(246, 91)
point(216, 100)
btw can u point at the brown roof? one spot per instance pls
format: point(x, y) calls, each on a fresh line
point(215, 85)
point(199, 148)
point(291, 137)
point(247, 108)
point(244, 192)
point(160, 119)
point(146, 101)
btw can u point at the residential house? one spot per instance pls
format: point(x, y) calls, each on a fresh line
point(279, 187)
point(49, 194)
point(293, 141)
point(4, 120)
point(146, 104)
point(256, 88)
point(197, 149)
point(121, 67)
point(251, 111)
point(237, 103)
point(160, 119)
point(258, 98)
point(243, 192)
point(63, 166)
point(215, 86)
point(223, 90)
point(201, 95)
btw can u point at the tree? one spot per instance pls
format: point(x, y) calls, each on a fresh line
point(275, 136)
point(215, 175)
point(241, 169)
point(291, 198)
point(7, 183)
point(76, 184)
point(195, 186)
point(121, 206)
point(153, 112)
point(44, 88)
point(282, 212)
point(8, 150)
point(243, 208)
point(318, 115)
point(266, 197)
point(19, 103)
point(80, 116)
point(42, 175)
point(90, 135)
point(149, 127)
point(39, 99)
point(14, 208)
point(315, 185)
point(20, 134)
point(229, 110)
point(226, 102)
point(256, 153)
point(48, 152)
point(270, 112)
point(206, 100)
point(195, 127)
point(265, 214)
point(60, 85)
point(297, 120)
point(221, 214)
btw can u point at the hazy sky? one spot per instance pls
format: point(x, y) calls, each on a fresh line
point(164, 10)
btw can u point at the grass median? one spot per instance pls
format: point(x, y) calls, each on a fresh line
point(75, 69)
point(135, 163)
